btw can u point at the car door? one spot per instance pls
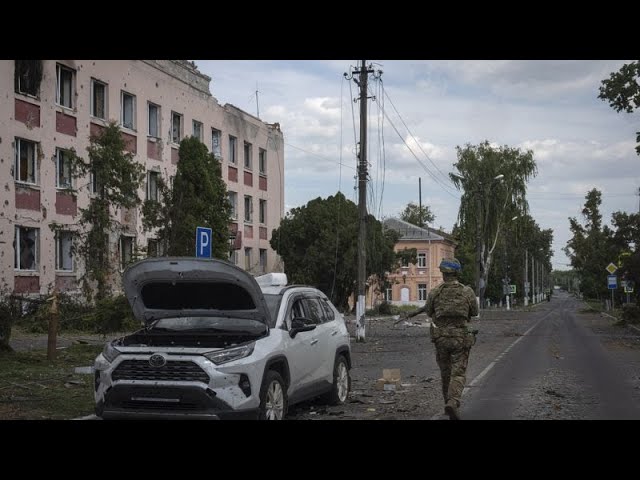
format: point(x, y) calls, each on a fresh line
point(323, 370)
point(302, 351)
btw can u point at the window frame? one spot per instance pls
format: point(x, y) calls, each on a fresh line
point(216, 149)
point(249, 210)
point(193, 128)
point(422, 292)
point(59, 69)
point(59, 253)
point(132, 238)
point(92, 104)
point(180, 127)
point(36, 249)
point(158, 122)
point(124, 93)
point(233, 152)
point(18, 149)
point(59, 152)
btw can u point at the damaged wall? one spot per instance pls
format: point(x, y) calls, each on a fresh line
point(173, 85)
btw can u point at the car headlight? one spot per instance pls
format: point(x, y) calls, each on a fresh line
point(224, 356)
point(110, 353)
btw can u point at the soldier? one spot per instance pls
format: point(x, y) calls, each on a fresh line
point(451, 306)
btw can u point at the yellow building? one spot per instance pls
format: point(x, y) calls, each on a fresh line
point(410, 283)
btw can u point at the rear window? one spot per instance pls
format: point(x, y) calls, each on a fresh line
point(196, 296)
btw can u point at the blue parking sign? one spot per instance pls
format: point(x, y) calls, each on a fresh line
point(612, 281)
point(203, 242)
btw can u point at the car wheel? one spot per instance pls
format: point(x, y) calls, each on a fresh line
point(273, 397)
point(341, 382)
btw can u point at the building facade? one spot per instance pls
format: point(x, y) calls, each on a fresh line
point(52, 106)
point(410, 283)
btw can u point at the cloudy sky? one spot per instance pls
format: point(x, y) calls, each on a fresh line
point(423, 110)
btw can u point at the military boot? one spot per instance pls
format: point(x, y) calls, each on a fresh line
point(451, 409)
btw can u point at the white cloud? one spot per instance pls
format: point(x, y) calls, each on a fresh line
point(550, 107)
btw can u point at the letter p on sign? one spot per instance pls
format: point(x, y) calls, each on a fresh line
point(203, 242)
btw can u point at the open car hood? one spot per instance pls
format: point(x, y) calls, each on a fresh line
point(185, 287)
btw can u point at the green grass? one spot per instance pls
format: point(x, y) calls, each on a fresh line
point(32, 388)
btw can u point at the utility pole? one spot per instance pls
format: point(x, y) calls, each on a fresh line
point(479, 275)
point(363, 73)
point(526, 277)
point(420, 199)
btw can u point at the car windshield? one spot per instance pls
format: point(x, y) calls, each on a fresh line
point(210, 324)
point(273, 304)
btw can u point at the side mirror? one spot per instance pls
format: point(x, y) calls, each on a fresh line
point(300, 324)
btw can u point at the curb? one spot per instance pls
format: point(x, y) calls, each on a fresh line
point(630, 326)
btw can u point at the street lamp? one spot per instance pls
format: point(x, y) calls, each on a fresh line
point(479, 197)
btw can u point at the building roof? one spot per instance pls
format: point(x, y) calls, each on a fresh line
point(413, 232)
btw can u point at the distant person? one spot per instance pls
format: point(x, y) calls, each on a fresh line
point(451, 306)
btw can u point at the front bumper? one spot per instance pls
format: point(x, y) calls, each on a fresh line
point(144, 402)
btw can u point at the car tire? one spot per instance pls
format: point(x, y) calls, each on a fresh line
point(273, 397)
point(341, 382)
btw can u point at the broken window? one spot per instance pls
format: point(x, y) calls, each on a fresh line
point(247, 258)
point(389, 294)
point(64, 91)
point(28, 75)
point(248, 208)
point(25, 161)
point(64, 255)
point(63, 169)
point(176, 127)
point(263, 260)
point(215, 143)
point(94, 185)
point(233, 142)
point(98, 99)
point(26, 248)
point(152, 185)
point(262, 161)
point(248, 148)
point(126, 250)
point(233, 200)
point(263, 211)
point(154, 120)
point(422, 291)
point(152, 247)
point(197, 130)
point(128, 108)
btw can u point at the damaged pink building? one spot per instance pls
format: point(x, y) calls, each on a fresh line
point(52, 106)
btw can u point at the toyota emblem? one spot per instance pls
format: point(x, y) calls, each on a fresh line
point(157, 360)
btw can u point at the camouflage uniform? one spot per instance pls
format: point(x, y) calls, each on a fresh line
point(451, 306)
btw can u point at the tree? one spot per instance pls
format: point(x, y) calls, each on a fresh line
point(318, 243)
point(117, 178)
point(198, 199)
point(622, 90)
point(494, 184)
point(626, 240)
point(590, 249)
point(417, 216)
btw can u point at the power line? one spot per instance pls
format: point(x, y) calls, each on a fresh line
point(320, 156)
point(436, 179)
point(414, 138)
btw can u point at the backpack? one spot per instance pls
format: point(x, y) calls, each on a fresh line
point(451, 301)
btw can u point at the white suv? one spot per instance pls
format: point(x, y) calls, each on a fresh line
point(219, 343)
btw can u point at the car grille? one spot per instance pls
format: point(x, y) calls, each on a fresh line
point(175, 371)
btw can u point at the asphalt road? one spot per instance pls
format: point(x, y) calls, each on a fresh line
point(567, 365)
